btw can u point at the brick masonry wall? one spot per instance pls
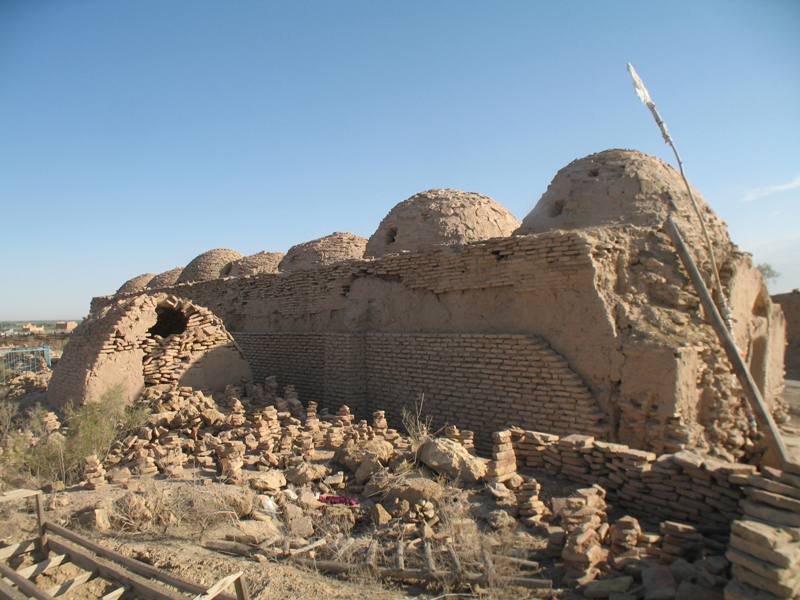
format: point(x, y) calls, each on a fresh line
point(682, 486)
point(480, 382)
point(790, 303)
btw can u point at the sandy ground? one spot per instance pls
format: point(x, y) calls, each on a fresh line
point(178, 555)
point(178, 550)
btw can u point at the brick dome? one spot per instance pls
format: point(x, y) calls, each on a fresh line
point(620, 187)
point(440, 216)
point(136, 284)
point(327, 250)
point(262, 262)
point(209, 265)
point(165, 279)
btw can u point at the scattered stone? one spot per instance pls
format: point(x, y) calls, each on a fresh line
point(450, 458)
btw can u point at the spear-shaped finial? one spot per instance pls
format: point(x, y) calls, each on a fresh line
point(647, 100)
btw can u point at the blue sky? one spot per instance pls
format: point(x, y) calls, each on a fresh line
point(135, 135)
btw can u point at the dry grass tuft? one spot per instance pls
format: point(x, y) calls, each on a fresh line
point(160, 506)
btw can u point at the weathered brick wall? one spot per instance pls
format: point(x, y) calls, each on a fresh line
point(479, 382)
point(475, 381)
point(613, 301)
point(790, 303)
point(294, 358)
point(682, 486)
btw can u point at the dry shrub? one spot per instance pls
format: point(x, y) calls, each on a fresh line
point(159, 506)
point(417, 426)
point(90, 429)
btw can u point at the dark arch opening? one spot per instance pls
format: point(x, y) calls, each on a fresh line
point(170, 321)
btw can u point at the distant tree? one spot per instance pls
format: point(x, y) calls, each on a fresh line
point(768, 272)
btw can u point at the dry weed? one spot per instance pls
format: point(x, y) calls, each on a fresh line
point(417, 426)
point(160, 506)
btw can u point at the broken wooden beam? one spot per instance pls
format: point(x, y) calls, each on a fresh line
point(145, 588)
point(23, 583)
point(133, 565)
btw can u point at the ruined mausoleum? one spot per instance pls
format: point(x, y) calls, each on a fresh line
point(579, 320)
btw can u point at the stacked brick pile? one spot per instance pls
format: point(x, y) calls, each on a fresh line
point(530, 508)
point(503, 465)
point(50, 422)
point(465, 437)
point(583, 518)
point(530, 447)
point(765, 544)
point(682, 486)
point(628, 543)
point(93, 472)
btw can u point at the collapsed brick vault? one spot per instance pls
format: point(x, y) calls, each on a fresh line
point(581, 321)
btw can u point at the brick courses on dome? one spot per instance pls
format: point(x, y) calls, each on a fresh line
point(136, 284)
point(209, 265)
point(336, 247)
point(621, 187)
point(262, 262)
point(165, 279)
point(440, 216)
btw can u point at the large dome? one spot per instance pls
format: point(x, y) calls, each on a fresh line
point(136, 284)
point(327, 250)
point(263, 262)
point(620, 187)
point(440, 216)
point(165, 279)
point(209, 265)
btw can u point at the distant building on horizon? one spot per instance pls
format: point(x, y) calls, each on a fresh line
point(32, 329)
point(65, 326)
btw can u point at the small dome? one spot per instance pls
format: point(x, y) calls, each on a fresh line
point(440, 216)
point(137, 284)
point(619, 187)
point(263, 262)
point(333, 248)
point(209, 265)
point(165, 279)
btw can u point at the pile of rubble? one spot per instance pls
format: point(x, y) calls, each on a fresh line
point(25, 384)
point(327, 474)
point(765, 544)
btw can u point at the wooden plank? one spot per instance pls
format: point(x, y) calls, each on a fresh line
point(145, 588)
point(427, 552)
point(43, 549)
point(219, 587)
point(455, 560)
point(729, 345)
point(19, 494)
point(235, 548)
point(242, 593)
point(43, 567)
point(308, 547)
point(17, 548)
point(131, 564)
point(372, 554)
point(70, 584)
point(400, 557)
point(24, 585)
point(115, 594)
point(487, 565)
point(9, 593)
